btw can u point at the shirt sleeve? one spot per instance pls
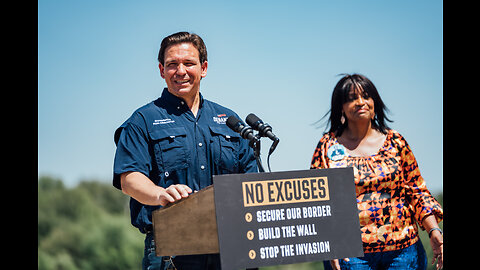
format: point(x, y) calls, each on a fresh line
point(132, 154)
point(319, 155)
point(421, 200)
point(247, 161)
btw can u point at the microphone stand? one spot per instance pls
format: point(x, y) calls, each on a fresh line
point(255, 144)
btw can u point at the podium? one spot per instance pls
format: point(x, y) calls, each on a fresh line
point(187, 227)
point(263, 219)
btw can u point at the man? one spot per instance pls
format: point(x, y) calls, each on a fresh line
point(172, 146)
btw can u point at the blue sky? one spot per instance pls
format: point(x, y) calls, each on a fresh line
point(278, 59)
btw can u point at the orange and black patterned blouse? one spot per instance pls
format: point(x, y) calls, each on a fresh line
point(391, 193)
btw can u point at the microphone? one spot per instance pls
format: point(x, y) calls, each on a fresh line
point(265, 130)
point(237, 125)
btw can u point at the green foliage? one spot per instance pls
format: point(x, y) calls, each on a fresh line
point(86, 227)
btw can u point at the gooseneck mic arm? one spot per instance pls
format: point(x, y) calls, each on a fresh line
point(264, 130)
point(247, 133)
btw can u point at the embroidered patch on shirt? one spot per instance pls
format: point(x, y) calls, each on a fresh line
point(163, 121)
point(336, 152)
point(220, 119)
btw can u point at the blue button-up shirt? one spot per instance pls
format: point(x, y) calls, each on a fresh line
point(167, 143)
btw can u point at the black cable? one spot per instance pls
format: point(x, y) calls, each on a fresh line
point(268, 162)
point(272, 148)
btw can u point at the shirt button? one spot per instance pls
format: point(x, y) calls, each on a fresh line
point(200, 144)
point(202, 167)
point(178, 108)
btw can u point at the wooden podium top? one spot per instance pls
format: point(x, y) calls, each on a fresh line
point(187, 227)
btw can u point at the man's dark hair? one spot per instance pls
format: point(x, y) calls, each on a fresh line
point(183, 37)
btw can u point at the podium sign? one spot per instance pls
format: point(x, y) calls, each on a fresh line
point(287, 217)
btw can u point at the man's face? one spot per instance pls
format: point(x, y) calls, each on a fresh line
point(182, 70)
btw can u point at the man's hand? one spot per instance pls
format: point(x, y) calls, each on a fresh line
point(173, 193)
point(142, 189)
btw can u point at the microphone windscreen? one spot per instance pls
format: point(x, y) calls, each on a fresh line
point(252, 119)
point(232, 122)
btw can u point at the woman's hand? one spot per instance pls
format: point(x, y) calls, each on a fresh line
point(436, 241)
point(336, 264)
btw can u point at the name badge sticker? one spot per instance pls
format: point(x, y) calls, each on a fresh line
point(336, 152)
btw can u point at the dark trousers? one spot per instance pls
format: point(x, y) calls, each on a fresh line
point(186, 262)
point(412, 257)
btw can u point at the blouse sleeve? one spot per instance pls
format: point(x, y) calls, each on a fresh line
point(319, 155)
point(421, 200)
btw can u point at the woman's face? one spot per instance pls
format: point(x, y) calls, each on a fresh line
point(359, 106)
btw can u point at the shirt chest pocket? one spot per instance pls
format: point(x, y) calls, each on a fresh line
point(170, 148)
point(224, 144)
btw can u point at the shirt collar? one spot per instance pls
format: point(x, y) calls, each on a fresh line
point(173, 100)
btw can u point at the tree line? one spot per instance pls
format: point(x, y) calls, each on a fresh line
point(85, 227)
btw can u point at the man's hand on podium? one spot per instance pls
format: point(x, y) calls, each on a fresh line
point(142, 189)
point(174, 193)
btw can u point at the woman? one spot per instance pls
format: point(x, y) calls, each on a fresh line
point(391, 194)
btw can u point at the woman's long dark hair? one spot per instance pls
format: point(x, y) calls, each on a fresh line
point(340, 96)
